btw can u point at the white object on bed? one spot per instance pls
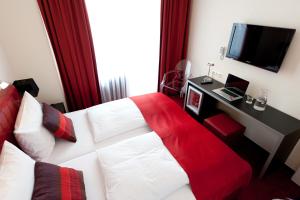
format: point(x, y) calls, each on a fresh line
point(94, 180)
point(76, 155)
point(92, 175)
point(184, 193)
point(65, 150)
point(32, 137)
point(114, 118)
point(140, 168)
point(16, 173)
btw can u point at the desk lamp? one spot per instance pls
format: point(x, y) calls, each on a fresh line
point(3, 85)
point(207, 79)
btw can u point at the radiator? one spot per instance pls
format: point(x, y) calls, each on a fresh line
point(113, 88)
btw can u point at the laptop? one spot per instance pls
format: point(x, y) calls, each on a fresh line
point(235, 88)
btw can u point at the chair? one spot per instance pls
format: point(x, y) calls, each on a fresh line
point(175, 82)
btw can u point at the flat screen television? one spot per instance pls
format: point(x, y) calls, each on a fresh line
point(261, 46)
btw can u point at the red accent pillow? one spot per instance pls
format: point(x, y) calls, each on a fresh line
point(60, 183)
point(58, 124)
point(9, 105)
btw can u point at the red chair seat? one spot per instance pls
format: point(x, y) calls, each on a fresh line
point(223, 125)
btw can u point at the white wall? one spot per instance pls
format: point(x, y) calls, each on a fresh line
point(211, 23)
point(5, 72)
point(25, 51)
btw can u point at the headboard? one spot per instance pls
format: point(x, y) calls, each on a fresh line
point(9, 105)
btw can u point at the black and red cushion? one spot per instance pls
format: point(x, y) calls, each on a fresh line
point(60, 183)
point(9, 106)
point(58, 124)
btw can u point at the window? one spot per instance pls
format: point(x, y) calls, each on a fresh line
point(126, 39)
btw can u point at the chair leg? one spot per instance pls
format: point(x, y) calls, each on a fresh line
point(181, 94)
point(161, 88)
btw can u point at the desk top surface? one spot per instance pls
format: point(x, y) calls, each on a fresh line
point(273, 118)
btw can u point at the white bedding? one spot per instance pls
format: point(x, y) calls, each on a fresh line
point(94, 180)
point(82, 154)
point(65, 150)
point(92, 175)
point(183, 193)
point(115, 118)
point(140, 168)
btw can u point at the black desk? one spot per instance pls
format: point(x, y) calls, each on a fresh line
point(286, 128)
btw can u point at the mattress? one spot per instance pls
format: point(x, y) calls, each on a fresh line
point(123, 136)
point(82, 154)
point(94, 180)
point(65, 150)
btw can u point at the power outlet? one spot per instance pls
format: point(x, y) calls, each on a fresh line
point(216, 74)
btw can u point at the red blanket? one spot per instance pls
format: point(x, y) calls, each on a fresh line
point(214, 170)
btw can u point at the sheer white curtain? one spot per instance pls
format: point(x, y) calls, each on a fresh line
point(126, 39)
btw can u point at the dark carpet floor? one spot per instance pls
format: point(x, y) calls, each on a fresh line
point(274, 185)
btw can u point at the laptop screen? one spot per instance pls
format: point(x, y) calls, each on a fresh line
point(236, 84)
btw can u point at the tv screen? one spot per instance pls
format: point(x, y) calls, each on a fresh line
point(261, 46)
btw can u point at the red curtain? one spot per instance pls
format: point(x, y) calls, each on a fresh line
point(69, 31)
point(174, 27)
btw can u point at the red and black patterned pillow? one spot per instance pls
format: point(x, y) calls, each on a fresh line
point(59, 183)
point(9, 103)
point(58, 124)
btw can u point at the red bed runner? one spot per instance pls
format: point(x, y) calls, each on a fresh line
point(214, 170)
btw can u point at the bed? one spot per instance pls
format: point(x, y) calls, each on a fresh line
point(121, 120)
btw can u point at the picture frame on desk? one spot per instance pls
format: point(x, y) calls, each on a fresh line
point(194, 100)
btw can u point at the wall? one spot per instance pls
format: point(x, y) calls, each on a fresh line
point(211, 23)
point(5, 72)
point(25, 51)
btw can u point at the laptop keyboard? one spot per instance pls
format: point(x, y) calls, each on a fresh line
point(229, 93)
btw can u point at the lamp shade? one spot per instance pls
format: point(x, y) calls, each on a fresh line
point(27, 85)
point(3, 85)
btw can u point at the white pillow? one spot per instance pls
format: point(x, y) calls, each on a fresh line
point(33, 138)
point(16, 173)
point(140, 168)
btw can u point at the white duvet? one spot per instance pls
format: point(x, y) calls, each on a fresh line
point(140, 168)
point(114, 118)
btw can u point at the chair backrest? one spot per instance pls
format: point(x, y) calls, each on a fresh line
point(181, 65)
point(187, 75)
point(177, 78)
point(187, 72)
point(185, 67)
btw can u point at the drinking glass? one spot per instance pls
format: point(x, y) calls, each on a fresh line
point(249, 99)
point(261, 102)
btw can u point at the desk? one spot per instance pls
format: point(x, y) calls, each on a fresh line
point(286, 128)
